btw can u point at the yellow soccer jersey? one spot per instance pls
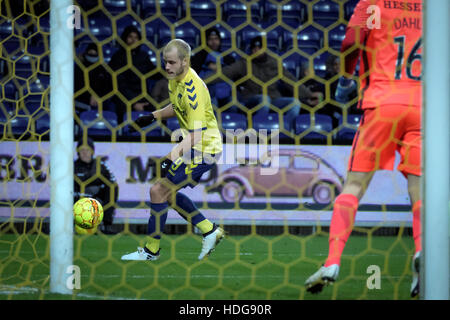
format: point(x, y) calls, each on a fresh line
point(192, 104)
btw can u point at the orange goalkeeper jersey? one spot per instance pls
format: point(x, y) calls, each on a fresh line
point(386, 36)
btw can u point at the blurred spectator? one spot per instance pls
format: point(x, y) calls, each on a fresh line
point(102, 184)
point(160, 91)
point(265, 68)
point(99, 80)
point(132, 66)
point(205, 62)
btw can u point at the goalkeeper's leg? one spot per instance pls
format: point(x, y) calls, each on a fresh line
point(414, 194)
point(342, 221)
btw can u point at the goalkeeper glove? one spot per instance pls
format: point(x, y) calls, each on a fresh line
point(344, 88)
point(144, 121)
point(165, 166)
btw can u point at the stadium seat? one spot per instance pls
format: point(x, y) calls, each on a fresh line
point(325, 12)
point(38, 44)
point(322, 123)
point(44, 22)
point(336, 36)
point(9, 90)
point(155, 129)
point(164, 36)
point(349, 7)
point(24, 65)
point(116, 7)
point(3, 121)
point(293, 13)
point(320, 66)
point(170, 9)
point(294, 63)
point(152, 31)
point(233, 121)
point(348, 130)
point(20, 124)
point(12, 45)
point(267, 122)
point(98, 125)
point(6, 28)
point(310, 39)
point(36, 88)
point(108, 51)
point(32, 106)
point(203, 11)
point(275, 39)
point(234, 13)
point(42, 122)
point(100, 25)
point(189, 33)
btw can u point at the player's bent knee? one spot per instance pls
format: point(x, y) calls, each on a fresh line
point(159, 193)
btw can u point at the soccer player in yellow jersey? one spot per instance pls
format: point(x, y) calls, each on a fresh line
point(190, 102)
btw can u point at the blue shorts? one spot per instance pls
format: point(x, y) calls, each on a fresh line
point(188, 175)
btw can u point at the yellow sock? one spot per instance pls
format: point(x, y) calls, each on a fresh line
point(205, 226)
point(152, 244)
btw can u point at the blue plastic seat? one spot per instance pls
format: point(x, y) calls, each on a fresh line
point(36, 88)
point(20, 124)
point(310, 39)
point(42, 122)
point(348, 129)
point(349, 7)
point(152, 31)
point(100, 25)
point(171, 9)
point(294, 63)
point(9, 90)
point(116, 7)
point(320, 65)
point(23, 64)
point(164, 36)
point(267, 122)
point(203, 11)
point(322, 125)
point(336, 36)
point(293, 13)
point(234, 13)
point(275, 39)
point(99, 125)
point(189, 33)
point(325, 12)
point(233, 121)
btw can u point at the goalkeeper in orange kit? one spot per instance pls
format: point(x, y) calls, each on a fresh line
point(390, 96)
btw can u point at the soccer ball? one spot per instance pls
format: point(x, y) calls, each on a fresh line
point(87, 213)
point(80, 230)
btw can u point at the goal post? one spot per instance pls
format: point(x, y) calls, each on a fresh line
point(61, 146)
point(436, 150)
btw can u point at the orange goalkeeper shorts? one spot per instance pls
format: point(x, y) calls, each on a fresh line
point(383, 131)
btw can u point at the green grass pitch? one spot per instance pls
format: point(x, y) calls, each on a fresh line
point(242, 267)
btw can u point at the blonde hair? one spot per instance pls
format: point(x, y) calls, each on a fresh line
point(183, 48)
